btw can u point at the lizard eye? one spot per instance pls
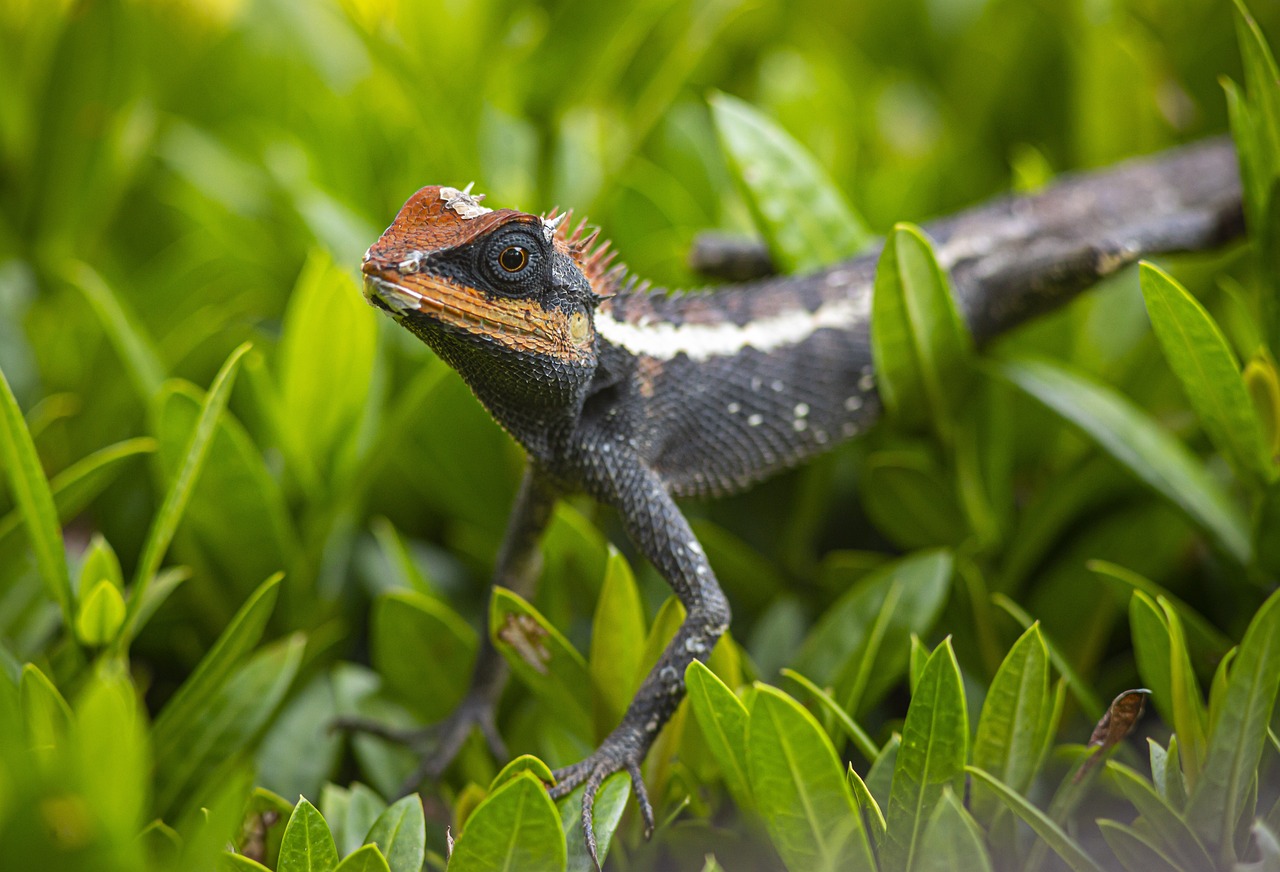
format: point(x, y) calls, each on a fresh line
point(513, 258)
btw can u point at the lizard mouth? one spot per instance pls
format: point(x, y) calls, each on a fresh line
point(521, 325)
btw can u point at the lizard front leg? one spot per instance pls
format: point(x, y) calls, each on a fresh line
point(517, 567)
point(659, 529)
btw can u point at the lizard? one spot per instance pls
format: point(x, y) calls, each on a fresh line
point(639, 397)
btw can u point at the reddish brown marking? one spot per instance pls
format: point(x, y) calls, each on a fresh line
point(526, 636)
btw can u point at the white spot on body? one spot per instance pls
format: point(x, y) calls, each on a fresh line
point(466, 204)
point(802, 409)
point(755, 420)
point(852, 404)
point(734, 408)
point(663, 340)
point(800, 424)
point(866, 382)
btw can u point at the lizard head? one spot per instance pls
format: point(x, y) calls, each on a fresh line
point(505, 297)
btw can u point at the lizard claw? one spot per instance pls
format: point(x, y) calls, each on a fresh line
point(591, 773)
point(437, 744)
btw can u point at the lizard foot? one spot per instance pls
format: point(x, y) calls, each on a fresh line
point(437, 744)
point(615, 755)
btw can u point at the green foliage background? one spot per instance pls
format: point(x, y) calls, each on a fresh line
point(180, 178)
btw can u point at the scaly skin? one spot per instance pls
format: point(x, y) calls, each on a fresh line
point(636, 397)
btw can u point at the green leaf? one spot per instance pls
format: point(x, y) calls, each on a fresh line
point(165, 523)
point(46, 717)
point(1199, 630)
point(516, 827)
point(322, 394)
point(136, 350)
point(30, 489)
point(1135, 850)
point(523, 763)
point(1170, 828)
point(1166, 773)
point(542, 658)
point(803, 216)
point(952, 840)
point(723, 720)
point(1204, 363)
point(935, 741)
point(909, 497)
point(401, 835)
point(368, 859)
point(860, 646)
point(100, 564)
point(920, 346)
point(1126, 433)
point(1088, 700)
point(307, 845)
point(872, 815)
point(412, 636)
point(1239, 731)
point(241, 863)
point(192, 700)
point(1189, 718)
point(864, 743)
point(1015, 717)
point(799, 788)
point(611, 802)
point(617, 643)
point(101, 614)
point(1062, 844)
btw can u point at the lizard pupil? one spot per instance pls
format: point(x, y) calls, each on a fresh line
point(513, 258)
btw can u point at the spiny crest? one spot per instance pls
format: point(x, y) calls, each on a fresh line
point(594, 256)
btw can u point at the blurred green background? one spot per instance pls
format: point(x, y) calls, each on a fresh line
point(179, 177)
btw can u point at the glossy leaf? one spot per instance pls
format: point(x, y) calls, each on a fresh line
point(1139, 444)
point(935, 741)
point(920, 346)
point(863, 742)
point(307, 845)
point(1238, 731)
point(516, 827)
point(30, 489)
point(799, 788)
point(1204, 363)
point(871, 812)
point(101, 614)
point(136, 350)
point(611, 802)
point(723, 720)
point(366, 859)
point(804, 217)
point(1014, 722)
point(400, 834)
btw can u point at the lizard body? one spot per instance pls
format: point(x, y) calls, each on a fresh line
point(637, 396)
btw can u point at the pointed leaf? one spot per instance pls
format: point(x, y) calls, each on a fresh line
point(935, 741)
point(307, 845)
point(401, 835)
point(423, 650)
point(1061, 843)
point(800, 789)
point(101, 614)
point(723, 720)
point(617, 642)
point(952, 840)
point(1135, 850)
point(367, 859)
point(871, 812)
point(611, 801)
point(803, 216)
point(1173, 836)
point(1126, 433)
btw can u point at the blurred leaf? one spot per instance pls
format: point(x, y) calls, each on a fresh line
point(542, 659)
point(1080, 689)
point(322, 394)
point(46, 717)
point(1204, 363)
point(31, 493)
point(1062, 844)
point(860, 643)
point(952, 840)
point(516, 827)
point(1199, 630)
point(523, 763)
point(1171, 830)
point(799, 788)
point(1189, 718)
point(412, 636)
point(241, 863)
point(803, 216)
point(1135, 850)
point(1014, 722)
point(101, 614)
point(1238, 732)
point(920, 345)
point(1166, 773)
point(935, 740)
point(308, 845)
point(723, 720)
point(137, 352)
point(1263, 384)
point(909, 498)
point(863, 742)
point(611, 801)
point(617, 643)
point(1128, 435)
point(165, 522)
point(366, 859)
point(400, 833)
